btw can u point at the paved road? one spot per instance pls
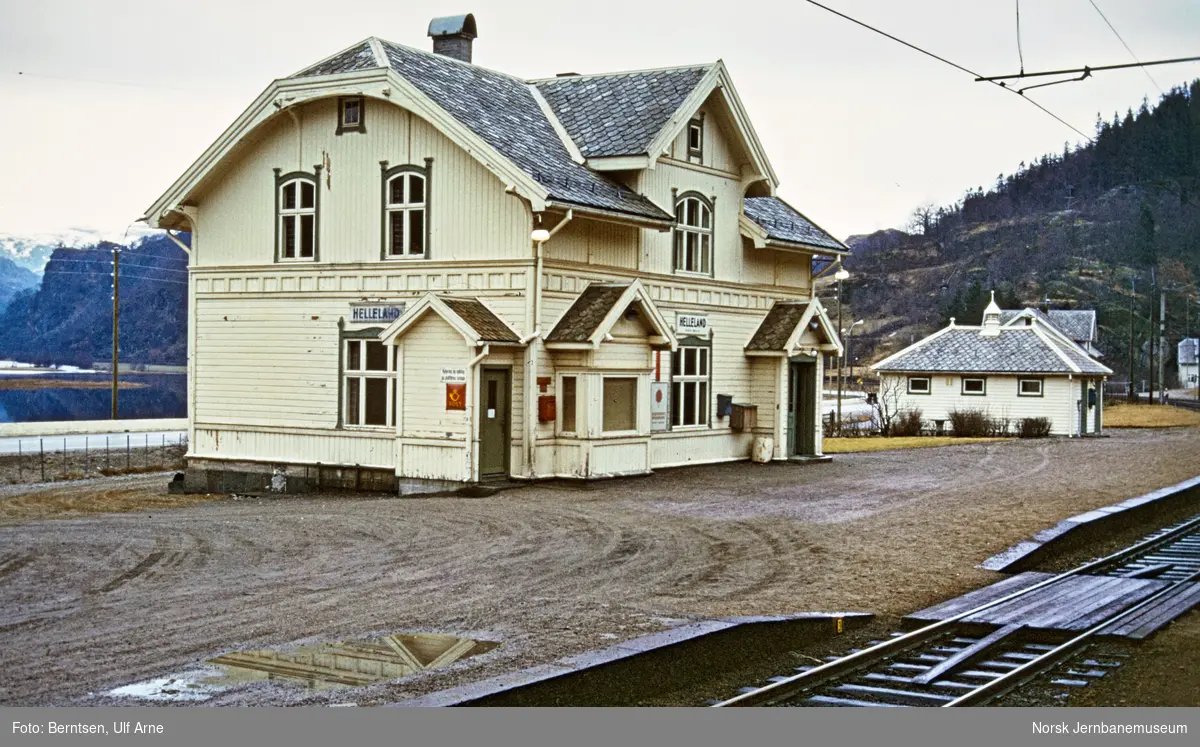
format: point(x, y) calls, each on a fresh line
point(92, 441)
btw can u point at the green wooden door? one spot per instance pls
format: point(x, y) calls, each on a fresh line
point(495, 403)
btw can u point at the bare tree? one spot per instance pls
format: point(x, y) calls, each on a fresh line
point(923, 219)
point(887, 403)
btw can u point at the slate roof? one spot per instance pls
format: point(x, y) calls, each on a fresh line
point(1189, 351)
point(502, 110)
point(618, 114)
point(1079, 325)
point(486, 324)
point(1014, 350)
point(777, 326)
point(782, 222)
point(358, 57)
point(580, 321)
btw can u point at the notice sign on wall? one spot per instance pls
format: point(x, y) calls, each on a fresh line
point(660, 404)
point(691, 325)
point(376, 312)
point(456, 396)
point(454, 376)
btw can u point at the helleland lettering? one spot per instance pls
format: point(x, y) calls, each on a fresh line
point(1079, 727)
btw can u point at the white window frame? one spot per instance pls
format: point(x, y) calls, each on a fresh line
point(361, 375)
point(562, 409)
point(637, 404)
point(696, 152)
point(406, 209)
point(691, 210)
point(344, 106)
point(1041, 387)
point(701, 392)
point(296, 215)
point(928, 385)
point(982, 386)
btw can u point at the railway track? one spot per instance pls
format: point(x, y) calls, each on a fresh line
point(958, 662)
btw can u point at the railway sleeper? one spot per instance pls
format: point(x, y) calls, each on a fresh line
point(945, 684)
point(905, 697)
point(835, 702)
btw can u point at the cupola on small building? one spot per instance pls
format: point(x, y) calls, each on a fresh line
point(409, 271)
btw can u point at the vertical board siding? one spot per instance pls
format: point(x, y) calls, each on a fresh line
point(470, 215)
point(430, 345)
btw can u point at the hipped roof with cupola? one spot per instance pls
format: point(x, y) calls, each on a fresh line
point(551, 141)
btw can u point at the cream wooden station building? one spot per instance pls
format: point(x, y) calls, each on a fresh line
point(410, 271)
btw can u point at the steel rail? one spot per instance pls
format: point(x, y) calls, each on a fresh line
point(818, 676)
point(1006, 683)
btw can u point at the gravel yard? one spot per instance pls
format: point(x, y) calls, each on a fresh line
point(90, 601)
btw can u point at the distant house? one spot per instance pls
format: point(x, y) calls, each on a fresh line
point(1189, 354)
point(1023, 368)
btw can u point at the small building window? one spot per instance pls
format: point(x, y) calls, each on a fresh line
point(693, 235)
point(406, 213)
point(567, 395)
point(918, 384)
point(297, 227)
point(620, 404)
point(975, 387)
point(350, 115)
point(690, 385)
point(370, 377)
point(1029, 387)
point(695, 139)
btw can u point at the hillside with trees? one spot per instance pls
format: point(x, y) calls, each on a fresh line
point(13, 280)
point(68, 318)
point(1108, 225)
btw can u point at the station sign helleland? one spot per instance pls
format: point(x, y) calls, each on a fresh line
point(376, 312)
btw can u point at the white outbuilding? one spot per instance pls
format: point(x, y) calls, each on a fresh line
point(1024, 367)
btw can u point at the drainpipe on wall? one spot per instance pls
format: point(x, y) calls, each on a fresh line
point(471, 435)
point(540, 237)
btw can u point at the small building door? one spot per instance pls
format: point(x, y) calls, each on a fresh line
point(495, 403)
point(802, 408)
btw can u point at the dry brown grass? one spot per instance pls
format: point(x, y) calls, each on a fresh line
point(1149, 416)
point(40, 383)
point(851, 445)
point(83, 499)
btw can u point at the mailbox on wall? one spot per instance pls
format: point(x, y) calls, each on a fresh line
point(743, 417)
point(547, 412)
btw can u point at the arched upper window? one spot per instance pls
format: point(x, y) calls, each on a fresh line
point(693, 234)
point(296, 232)
point(406, 202)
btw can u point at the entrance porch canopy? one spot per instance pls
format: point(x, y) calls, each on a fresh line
point(791, 327)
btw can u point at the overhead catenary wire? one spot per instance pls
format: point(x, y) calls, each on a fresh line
point(1084, 69)
point(1120, 39)
point(108, 276)
point(108, 263)
point(948, 62)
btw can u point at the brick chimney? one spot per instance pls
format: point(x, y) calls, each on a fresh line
point(452, 36)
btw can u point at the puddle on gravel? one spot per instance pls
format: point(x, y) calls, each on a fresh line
point(320, 666)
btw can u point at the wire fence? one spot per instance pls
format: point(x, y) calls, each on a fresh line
point(53, 459)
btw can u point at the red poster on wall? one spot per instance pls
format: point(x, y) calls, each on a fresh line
point(456, 396)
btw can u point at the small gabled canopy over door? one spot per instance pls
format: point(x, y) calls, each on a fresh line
point(791, 328)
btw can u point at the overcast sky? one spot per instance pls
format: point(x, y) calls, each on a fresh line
point(106, 103)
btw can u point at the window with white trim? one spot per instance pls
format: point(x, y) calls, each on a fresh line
point(620, 399)
point(975, 386)
point(693, 235)
point(405, 208)
point(567, 393)
point(919, 384)
point(369, 384)
point(298, 218)
point(695, 139)
point(1029, 387)
point(690, 385)
point(350, 114)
